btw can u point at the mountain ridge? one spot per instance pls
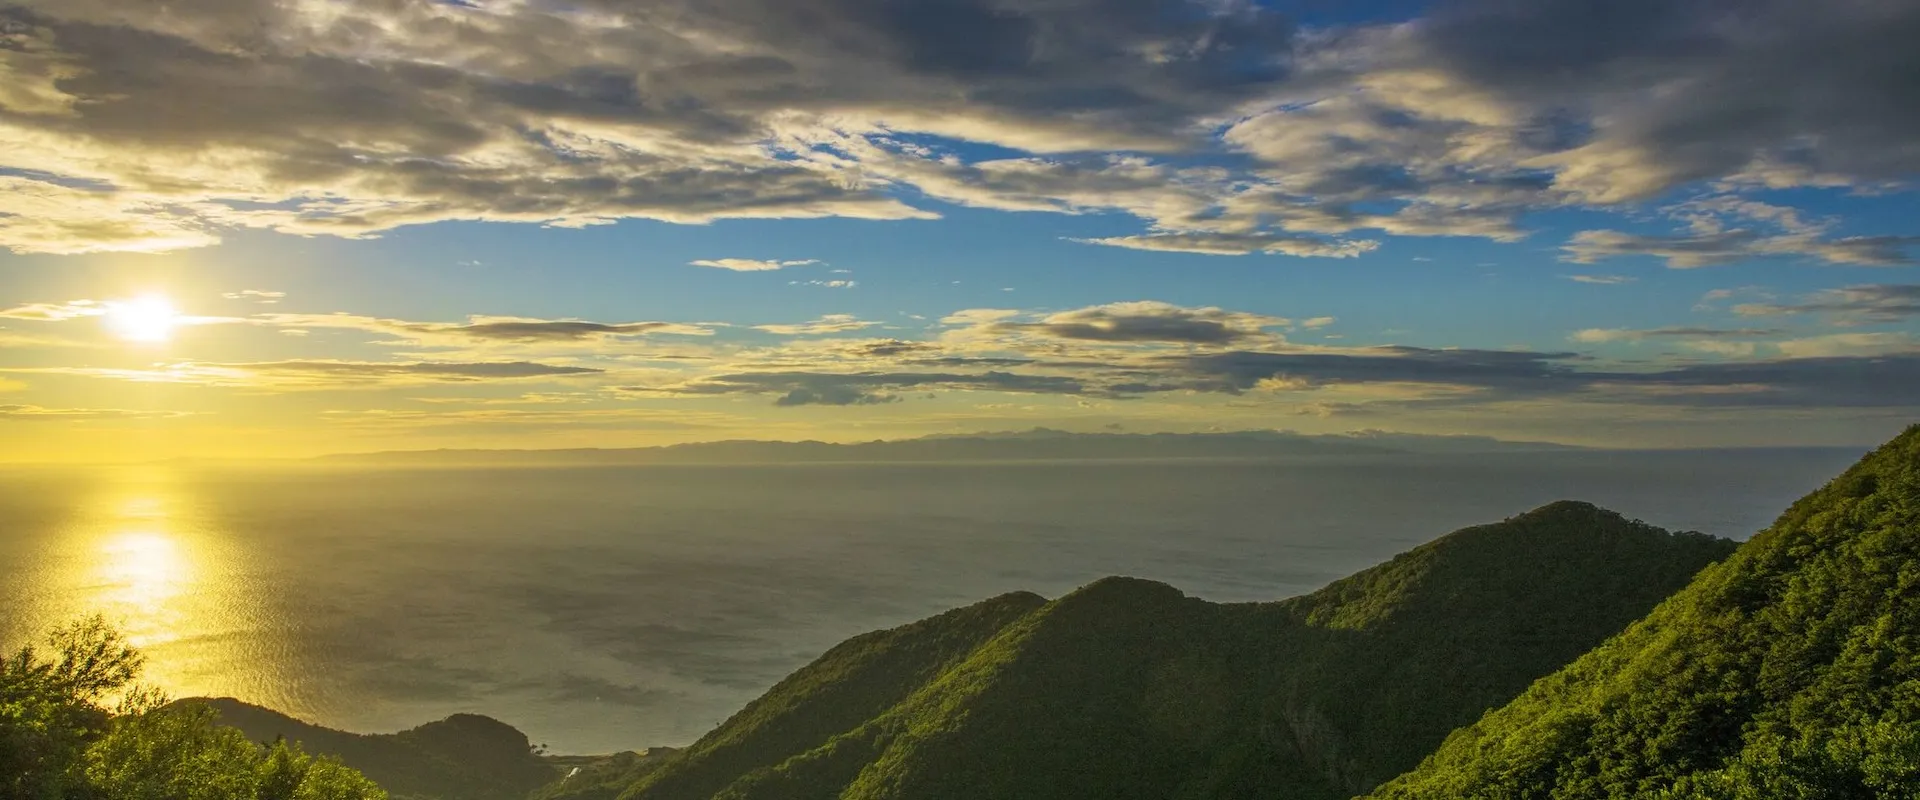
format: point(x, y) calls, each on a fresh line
point(1789, 670)
point(1129, 689)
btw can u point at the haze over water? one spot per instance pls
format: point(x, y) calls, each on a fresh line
point(620, 607)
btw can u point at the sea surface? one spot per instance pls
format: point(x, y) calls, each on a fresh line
point(608, 608)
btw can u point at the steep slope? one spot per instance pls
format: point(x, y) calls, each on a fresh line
point(1408, 651)
point(1129, 689)
point(463, 757)
point(852, 683)
point(1788, 671)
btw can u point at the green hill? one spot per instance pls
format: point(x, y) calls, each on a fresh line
point(1788, 671)
point(1129, 689)
point(463, 757)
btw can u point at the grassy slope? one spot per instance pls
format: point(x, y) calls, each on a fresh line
point(1128, 689)
point(1788, 671)
point(855, 681)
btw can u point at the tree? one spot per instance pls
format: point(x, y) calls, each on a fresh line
point(59, 740)
point(53, 704)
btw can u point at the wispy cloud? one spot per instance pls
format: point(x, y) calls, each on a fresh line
point(831, 323)
point(324, 373)
point(751, 265)
point(1239, 244)
point(1852, 304)
point(1603, 335)
point(30, 413)
point(260, 296)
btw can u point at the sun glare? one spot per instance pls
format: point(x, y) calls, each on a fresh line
point(151, 318)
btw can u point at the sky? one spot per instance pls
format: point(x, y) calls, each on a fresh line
point(239, 228)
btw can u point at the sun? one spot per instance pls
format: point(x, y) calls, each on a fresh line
point(151, 318)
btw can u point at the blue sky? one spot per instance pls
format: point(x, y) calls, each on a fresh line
point(390, 225)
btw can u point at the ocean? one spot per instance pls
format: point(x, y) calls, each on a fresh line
point(608, 608)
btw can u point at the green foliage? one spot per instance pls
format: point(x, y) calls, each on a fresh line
point(1791, 670)
point(1129, 690)
point(463, 757)
point(852, 683)
point(60, 741)
point(52, 704)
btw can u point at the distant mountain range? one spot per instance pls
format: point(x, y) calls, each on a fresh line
point(1035, 444)
point(1565, 653)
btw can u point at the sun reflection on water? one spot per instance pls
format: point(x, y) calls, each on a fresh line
point(142, 562)
point(143, 569)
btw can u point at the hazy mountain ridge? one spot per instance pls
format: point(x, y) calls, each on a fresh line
point(1129, 689)
point(1035, 444)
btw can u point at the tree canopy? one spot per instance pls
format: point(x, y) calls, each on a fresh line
point(74, 725)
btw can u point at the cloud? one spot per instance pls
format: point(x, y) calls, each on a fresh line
point(861, 388)
point(1239, 244)
point(1316, 323)
point(358, 117)
point(831, 323)
point(55, 312)
point(1144, 321)
point(1219, 125)
point(41, 414)
point(751, 265)
point(1850, 344)
point(256, 295)
point(40, 216)
point(327, 373)
point(1725, 247)
point(1783, 93)
point(1604, 335)
point(826, 284)
point(482, 328)
point(1867, 303)
point(1601, 280)
point(1486, 369)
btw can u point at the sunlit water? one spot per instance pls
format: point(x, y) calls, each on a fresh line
point(608, 608)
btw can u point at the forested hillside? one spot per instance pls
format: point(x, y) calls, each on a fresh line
point(1129, 689)
point(1790, 670)
point(463, 757)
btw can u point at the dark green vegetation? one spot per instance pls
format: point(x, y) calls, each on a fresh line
point(60, 740)
point(1789, 671)
point(464, 757)
point(1129, 689)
